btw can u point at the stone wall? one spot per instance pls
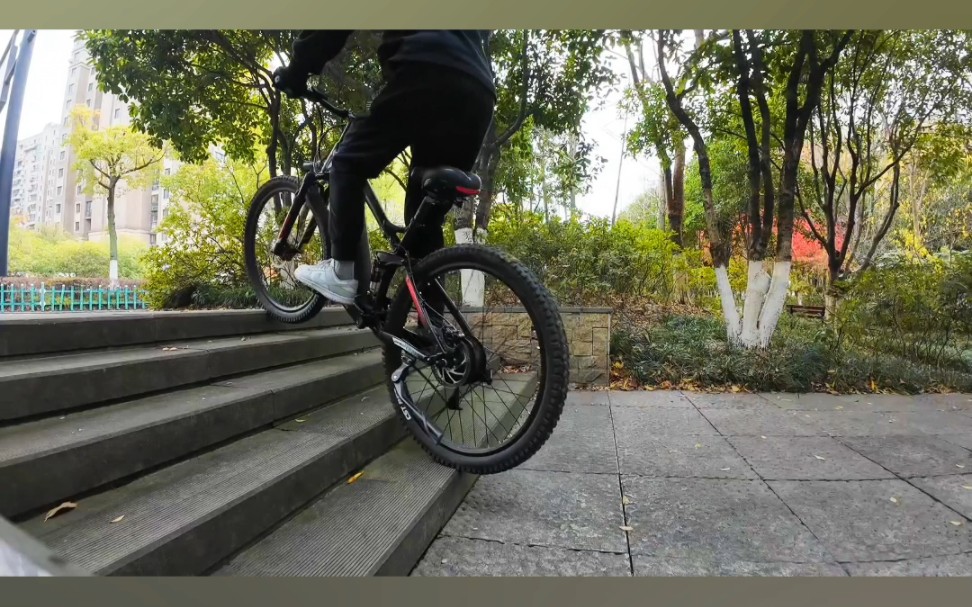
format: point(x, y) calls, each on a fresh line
point(588, 335)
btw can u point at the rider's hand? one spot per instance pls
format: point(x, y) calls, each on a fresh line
point(290, 81)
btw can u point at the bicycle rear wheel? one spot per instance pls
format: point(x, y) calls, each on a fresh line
point(272, 277)
point(488, 422)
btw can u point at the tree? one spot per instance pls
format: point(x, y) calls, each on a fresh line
point(108, 158)
point(657, 131)
point(545, 77)
point(722, 64)
point(197, 88)
point(892, 90)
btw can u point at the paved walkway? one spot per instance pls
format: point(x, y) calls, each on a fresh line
point(670, 483)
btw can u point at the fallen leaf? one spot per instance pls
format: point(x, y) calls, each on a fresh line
point(355, 478)
point(724, 469)
point(894, 500)
point(300, 421)
point(55, 511)
point(625, 500)
point(959, 465)
point(242, 339)
point(956, 523)
point(762, 436)
point(698, 445)
point(820, 458)
point(626, 528)
point(839, 407)
point(969, 487)
point(118, 520)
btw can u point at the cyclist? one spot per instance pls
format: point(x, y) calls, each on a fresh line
point(437, 99)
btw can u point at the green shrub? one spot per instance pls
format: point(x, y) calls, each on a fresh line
point(919, 310)
point(51, 253)
point(202, 236)
point(588, 261)
point(805, 356)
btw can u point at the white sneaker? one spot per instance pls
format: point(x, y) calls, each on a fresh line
point(323, 279)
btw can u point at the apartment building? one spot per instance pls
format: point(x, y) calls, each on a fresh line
point(35, 181)
point(49, 181)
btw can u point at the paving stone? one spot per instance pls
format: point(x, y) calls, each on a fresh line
point(566, 510)
point(715, 520)
point(728, 400)
point(453, 556)
point(955, 491)
point(588, 397)
point(923, 455)
point(673, 455)
point(858, 521)
point(583, 441)
point(769, 422)
point(805, 458)
point(656, 567)
point(649, 398)
point(660, 421)
point(959, 565)
point(868, 423)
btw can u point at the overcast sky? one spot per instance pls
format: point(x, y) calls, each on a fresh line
point(604, 126)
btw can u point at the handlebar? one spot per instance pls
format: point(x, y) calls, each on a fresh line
point(319, 98)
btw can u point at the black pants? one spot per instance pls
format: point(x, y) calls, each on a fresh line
point(441, 114)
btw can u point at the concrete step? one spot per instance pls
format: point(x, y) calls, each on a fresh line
point(54, 332)
point(34, 386)
point(61, 457)
point(185, 519)
point(379, 525)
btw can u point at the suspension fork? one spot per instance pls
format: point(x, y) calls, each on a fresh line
point(309, 192)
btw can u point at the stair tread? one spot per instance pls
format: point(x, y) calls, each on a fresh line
point(160, 504)
point(43, 385)
point(35, 438)
point(354, 529)
point(351, 529)
point(107, 357)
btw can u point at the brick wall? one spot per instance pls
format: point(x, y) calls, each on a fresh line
point(588, 335)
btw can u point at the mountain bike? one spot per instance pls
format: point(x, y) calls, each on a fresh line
point(433, 317)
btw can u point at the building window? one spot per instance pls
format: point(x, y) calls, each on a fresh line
point(71, 89)
point(79, 188)
point(59, 190)
point(77, 226)
point(60, 172)
point(90, 86)
point(152, 240)
point(57, 209)
point(155, 210)
point(77, 207)
point(117, 112)
point(165, 194)
point(61, 157)
point(74, 71)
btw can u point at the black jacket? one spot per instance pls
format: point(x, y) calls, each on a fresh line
point(464, 50)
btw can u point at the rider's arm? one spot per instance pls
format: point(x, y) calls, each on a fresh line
point(314, 48)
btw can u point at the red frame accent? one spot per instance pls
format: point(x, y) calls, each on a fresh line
point(466, 191)
point(415, 300)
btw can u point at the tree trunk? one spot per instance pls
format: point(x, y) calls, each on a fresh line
point(112, 235)
point(676, 201)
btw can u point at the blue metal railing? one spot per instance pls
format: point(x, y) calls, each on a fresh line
point(62, 298)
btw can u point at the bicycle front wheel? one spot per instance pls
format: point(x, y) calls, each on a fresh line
point(272, 277)
point(495, 316)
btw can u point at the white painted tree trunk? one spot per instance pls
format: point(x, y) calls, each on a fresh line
point(769, 316)
point(729, 312)
point(762, 307)
point(113, 273)
point(473, 283)
point(757, 286)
